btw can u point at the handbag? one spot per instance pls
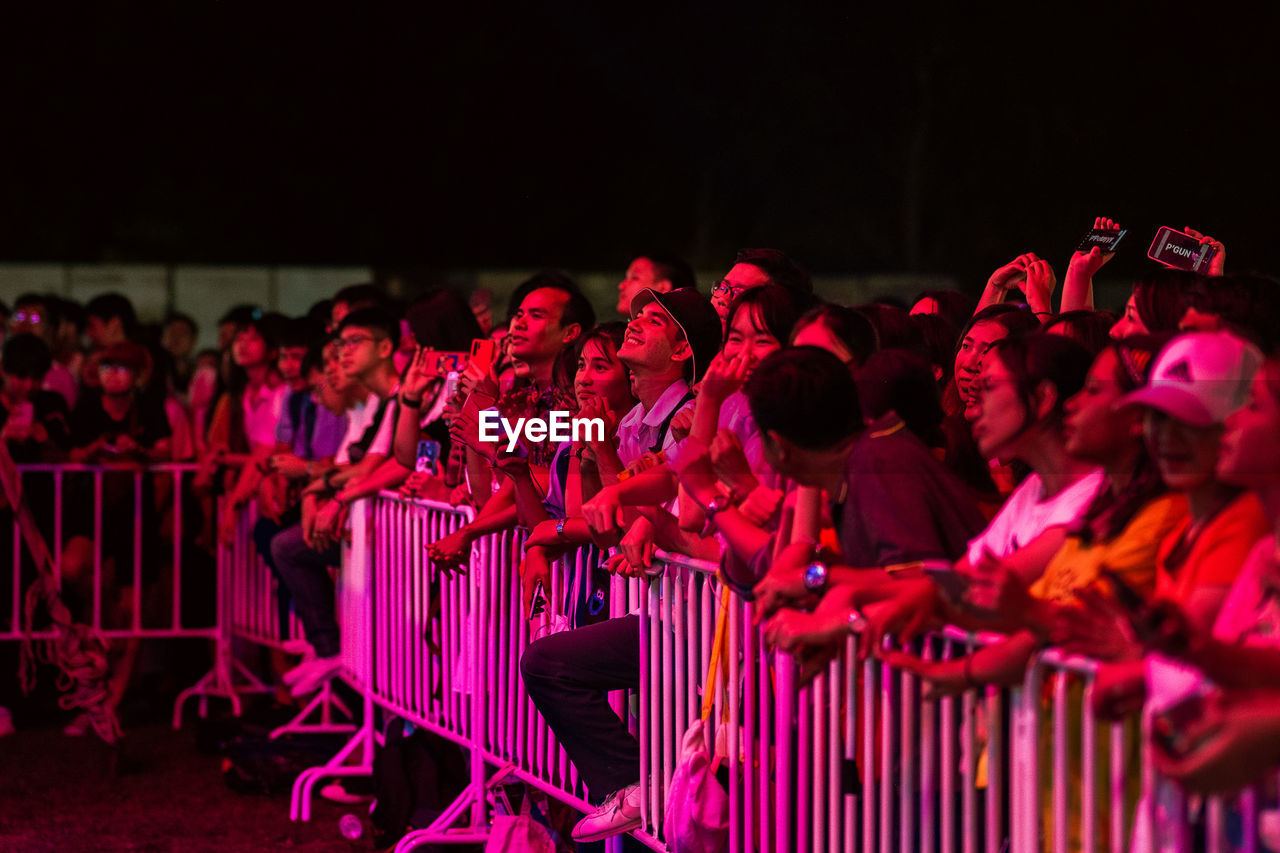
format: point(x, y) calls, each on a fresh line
point(697, 815)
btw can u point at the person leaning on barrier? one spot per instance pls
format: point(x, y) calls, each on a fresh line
point(668, 343)
point(367, 341)
point(892, 503)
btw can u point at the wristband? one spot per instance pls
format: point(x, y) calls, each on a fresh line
point(410, 403)
point(560, 527)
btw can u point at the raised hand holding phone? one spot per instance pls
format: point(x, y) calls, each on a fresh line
point(1095, 249)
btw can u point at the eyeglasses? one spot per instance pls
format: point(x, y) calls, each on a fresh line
point(726, 288)
point(354, 341)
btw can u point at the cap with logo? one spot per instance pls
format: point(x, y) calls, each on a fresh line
point(695, 316)
point(1199, 378)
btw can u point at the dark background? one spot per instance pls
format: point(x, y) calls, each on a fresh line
point(891, 138)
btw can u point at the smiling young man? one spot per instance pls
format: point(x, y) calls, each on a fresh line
point(669, 342)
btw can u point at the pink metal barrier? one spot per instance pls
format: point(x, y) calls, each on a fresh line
point(856, 761)
point(120, 590)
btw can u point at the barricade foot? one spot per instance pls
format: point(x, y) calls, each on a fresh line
point(304, 785)
point(325, 702)
point(220, 682)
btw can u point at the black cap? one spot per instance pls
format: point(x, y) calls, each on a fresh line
point(696, 317)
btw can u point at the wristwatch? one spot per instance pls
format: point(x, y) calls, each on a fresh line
point(815, 576)
point(718, 504)
point(560, 527)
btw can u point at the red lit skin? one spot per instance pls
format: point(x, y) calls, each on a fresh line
point(1001, 415)
point(18, 388)
point(740, 277)
point(536, 335)
point(249, 349)
point(1250, 454)
point(1093, 428)
point(641, 274)
point(655, 350)
point(602, 377)
point(30, 320)
point(1130, 323)
point(747, 334)
point(1199, 321)
point(817, 334)
point(289, 363)
point(981, 337)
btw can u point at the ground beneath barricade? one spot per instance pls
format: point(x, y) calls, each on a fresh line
point(59, 793)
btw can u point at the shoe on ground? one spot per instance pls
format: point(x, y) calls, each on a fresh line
point(619, 813)
point(345, 791)
point(309, 676)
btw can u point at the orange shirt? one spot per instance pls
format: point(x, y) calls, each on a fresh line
point(1218, 553)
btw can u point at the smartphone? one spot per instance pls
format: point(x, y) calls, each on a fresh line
point(483, 351)
point(943, 573)
point(1180, 250)
point(428, 461)
point(451, 362)
point(1105, 239)
point(537, 604)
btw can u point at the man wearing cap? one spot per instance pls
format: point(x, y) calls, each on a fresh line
point(669, 342)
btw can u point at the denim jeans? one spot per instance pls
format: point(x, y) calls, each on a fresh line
point(305, 572)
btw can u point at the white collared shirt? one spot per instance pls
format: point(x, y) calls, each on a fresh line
point(638, 430)
point(262, 410)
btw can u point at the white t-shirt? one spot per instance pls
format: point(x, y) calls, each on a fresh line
point(358, 420)
point(1028, 513)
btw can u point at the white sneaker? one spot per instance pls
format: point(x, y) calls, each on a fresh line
point(298, 647)
point(308, 676)
point(619, 813)
point(336, 792)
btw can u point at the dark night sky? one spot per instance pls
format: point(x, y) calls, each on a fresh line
point(554, 135)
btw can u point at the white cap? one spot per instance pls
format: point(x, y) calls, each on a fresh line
point(1199, 378)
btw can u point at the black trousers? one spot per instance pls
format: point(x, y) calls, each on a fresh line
point(568, 676)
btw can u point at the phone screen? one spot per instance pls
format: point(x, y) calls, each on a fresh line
point(1105, 239)
point(537, 604)
point(1180, 251)
point(428, 457)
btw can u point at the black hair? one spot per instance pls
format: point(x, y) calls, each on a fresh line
point(70, 311)
point(852, 329)
point(1108, 513)
point(577, 310)
point(270, 326)
point(185, 319)
point(565, 367)
point(779, 267)
point(108, 306)
point(379, 320)
point(1015, 319)
point(314, 359)
point(357, 296)
point(672, 268)
point(27, 356)
point(240, 315)
point(297, 332)
point(957, 306)
point(1091, 329)
point(939, 336)
point(894, 329)
point(777, 307)
point(902, 381)
point(1247, 303)
point(443, 320)
point(1160, 297)
point(1039, 357)
point(51, 304)
point(806, 395)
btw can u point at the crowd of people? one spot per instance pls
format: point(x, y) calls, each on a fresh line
point(1028, 465)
